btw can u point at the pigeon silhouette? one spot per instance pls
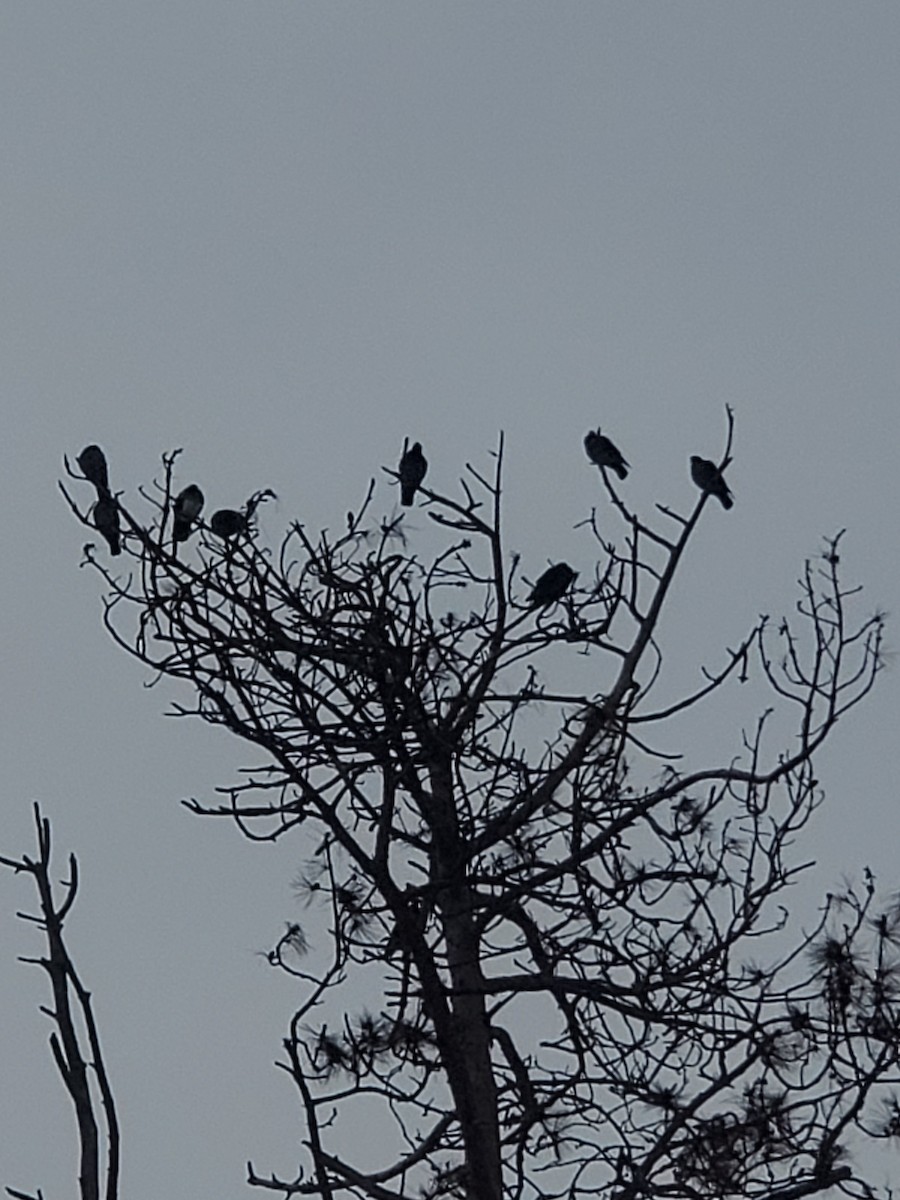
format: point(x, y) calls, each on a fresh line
point(552, 585)
point(106, 522)
point(92, 461)
point(228, 523)
point(708, 478)
point(185, 511)
point(600, 450)
point(413, 466)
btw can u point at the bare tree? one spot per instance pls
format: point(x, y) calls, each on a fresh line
point(75, 1041)
point(582, 972)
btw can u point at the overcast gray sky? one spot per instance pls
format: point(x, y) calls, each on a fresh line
point(285, 235)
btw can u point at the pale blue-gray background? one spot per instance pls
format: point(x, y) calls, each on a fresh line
point(283, 236)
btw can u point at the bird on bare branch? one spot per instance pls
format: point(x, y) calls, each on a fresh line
point(413, 466)
point(228, 523)
point(709, 478)
point(92, 461)
point(552, 585)
point(602, 452)
point(106, 522)
point(185, 511)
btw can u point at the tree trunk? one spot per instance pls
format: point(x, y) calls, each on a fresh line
point(467, 1055)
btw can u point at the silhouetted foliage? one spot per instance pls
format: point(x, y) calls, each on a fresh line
point(579, 970)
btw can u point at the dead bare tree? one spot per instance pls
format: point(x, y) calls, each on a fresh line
point(582, 974)
point(75, 1042)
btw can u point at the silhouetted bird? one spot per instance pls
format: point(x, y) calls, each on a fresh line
point(106, 521)
point(227, 523)
point(601, 451)
point(708, 478)
point(185, 511)
point(92, 461)
point(413, 466)
point(552, 585)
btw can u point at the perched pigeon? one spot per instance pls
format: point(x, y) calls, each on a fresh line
point(601, 451)
point(708, 478)
point(413, 466)
point(552, 585)
point(227, 523)
point(92, 461)
point(186, 509)
point(106, 521)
